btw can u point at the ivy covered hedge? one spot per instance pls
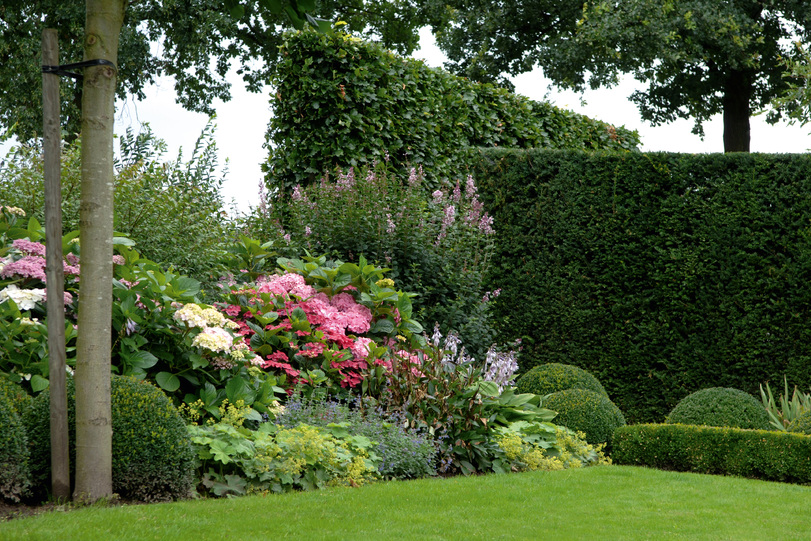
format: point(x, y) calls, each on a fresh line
point(343, 101)
point(661, 274)
point(759, 454)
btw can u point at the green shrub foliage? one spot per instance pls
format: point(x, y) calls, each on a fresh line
point(586, 411)
point(152, 453)
point(801, 424)
point(172, 210)
point(553, 377)
point(20, 400)
point(342, 101)
point(772, 455)
point(720, 406)
point(662, 273)
point(15, 474)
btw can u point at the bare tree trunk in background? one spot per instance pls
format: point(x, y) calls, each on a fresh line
point(93, 419)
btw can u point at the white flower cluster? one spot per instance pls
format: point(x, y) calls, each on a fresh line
point(195, 315)
point(214, 339)
point(26, 299)
point(215, 335)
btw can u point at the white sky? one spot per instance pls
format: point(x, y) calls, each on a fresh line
point(241, 124)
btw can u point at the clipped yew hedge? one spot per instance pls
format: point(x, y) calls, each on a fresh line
point(341, 101)
point(760, 454)
point(661, 274)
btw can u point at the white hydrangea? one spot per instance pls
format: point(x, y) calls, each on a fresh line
point(192, 315)
point(214, 339)
point(26, 299)
point(213, 317)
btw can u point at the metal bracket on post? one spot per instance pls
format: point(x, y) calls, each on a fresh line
point(63, 70)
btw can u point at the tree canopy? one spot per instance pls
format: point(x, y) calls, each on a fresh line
point(698, 57)
point(194, 41)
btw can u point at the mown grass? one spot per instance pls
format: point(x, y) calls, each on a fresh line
point(610, 502)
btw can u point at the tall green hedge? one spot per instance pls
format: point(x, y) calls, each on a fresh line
point(661, 274)
point(342, 101)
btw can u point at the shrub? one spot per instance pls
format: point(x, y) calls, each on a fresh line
point(20, 400)
point(544, 446)
point(661, 273)
point(234, 460)
point(720, 406)
point(342, 101)
point(152, 454)
point(769, 455)
point(436, 246)
point(173, 210)
point(15, 474)
point(550, 378)
point(405, 452)
point(583, 410)
point(801, 424)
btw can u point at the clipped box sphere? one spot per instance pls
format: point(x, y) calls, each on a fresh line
point(720, 406)
point(586, 411)
point(152, 455)
point(553, 377)
point(802, 424)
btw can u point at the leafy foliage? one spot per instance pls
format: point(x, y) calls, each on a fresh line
point(790, 407)
point(699, 57)
point(233, 460)
point(720, 406)
point(768, 455)
point(172, 210)
point(190, 34)
point(801, 424)
point(550, 378)
point(437, 247)
point(583, 410)
point(15, 473)
point(152, 455)
point(486, 41)
point(661, 274)
point(405, 452)
point(344, 102)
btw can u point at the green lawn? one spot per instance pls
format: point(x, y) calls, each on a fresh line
point(609, 502)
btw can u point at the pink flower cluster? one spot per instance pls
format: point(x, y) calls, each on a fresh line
point(32, 262)
point(329, 319)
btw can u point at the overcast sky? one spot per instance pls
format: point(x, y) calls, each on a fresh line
point(241, 124)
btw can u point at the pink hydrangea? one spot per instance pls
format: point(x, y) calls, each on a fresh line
point(28, 247)
point(30, 266)
point(360, 349)
point(343, 301)
point(282, 284)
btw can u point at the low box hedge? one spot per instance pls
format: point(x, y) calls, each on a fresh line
point(761, 454)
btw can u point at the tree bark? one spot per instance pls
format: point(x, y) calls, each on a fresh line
point(737, 94)
point(55, 276)
point(93, 419)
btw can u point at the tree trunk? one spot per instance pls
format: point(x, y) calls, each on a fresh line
point(737, 93)
point(93, 422)
point(55, 276)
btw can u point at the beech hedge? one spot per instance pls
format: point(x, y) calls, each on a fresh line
point(341, 101)
point(759, 454)
point(661, 274)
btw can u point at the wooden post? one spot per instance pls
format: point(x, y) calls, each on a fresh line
point(54, 272)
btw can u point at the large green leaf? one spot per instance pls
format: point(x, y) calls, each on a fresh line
point(168, 382)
